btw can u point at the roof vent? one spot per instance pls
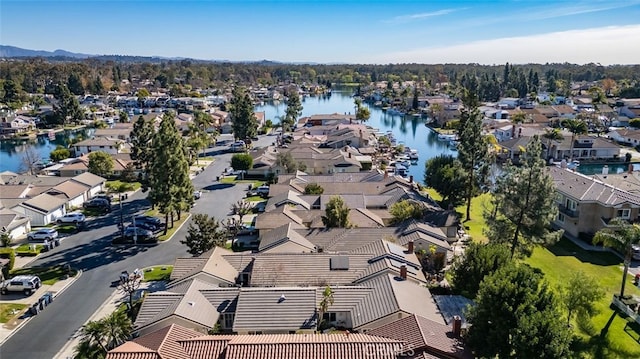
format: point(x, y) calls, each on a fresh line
point(282, 298)
point(193, 304)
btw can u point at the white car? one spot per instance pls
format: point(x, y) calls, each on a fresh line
point(44, 234)
point(74, 218)
point(636, 251)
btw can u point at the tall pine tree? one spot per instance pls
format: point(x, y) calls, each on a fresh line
point(141, 147)
point(523, 204)
point(171, 188)
point(245, 124)
point(473, 147)
point(294, 110)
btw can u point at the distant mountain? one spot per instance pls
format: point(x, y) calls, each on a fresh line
point(12, 51)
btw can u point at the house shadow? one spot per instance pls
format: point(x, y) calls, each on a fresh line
point(566, 247)
point(218, 186)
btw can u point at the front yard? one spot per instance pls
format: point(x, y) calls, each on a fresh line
point(10, 310)
point(162, 272)
point(474, 226)
point(48, 275)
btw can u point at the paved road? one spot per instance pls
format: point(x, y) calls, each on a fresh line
point(90, 250)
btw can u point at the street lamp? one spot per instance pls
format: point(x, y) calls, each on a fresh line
point(121, 217)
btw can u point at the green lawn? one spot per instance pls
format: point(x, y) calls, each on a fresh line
point(161, 272)
point(254, 199)
point(607, 338)
point(474, 226)
point(171, 230)
point(10, 310)
point(26, 250)
point(48, 275)
point(116, 183)
point(234, 180)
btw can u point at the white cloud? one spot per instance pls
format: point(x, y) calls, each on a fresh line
point(554, 11)
point(605, 45)
point(420, 16)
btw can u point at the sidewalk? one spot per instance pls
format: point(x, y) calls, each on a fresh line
point(21, 318)
point(108, 306)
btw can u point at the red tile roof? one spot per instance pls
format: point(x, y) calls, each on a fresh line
point(161, 344)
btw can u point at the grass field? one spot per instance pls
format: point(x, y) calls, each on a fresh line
point(171, 230)
point(474, 226)
point(161, 272)
point(115, 184)
point(9, 310)
point(607, 337)
point(48, 275)
point(234, 180)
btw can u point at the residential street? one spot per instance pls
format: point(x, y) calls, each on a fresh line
point(45, 334)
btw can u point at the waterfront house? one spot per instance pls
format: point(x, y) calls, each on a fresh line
point(584, 148)
point(10, 124)
point(110, 146)
point(629, 137)
point(587, 205)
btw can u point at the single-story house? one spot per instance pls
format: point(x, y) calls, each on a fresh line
point(42, 209)
point(14, 223)
point(93, 182)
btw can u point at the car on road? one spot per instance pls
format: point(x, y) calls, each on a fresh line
point(133, 235)
point(197, 194)
point(27, 284)
point(44, 234)
point(98, 204)
point(149, 219)
point(144, 225)
point(74, 217)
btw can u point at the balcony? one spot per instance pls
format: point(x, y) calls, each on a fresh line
point(568, 212)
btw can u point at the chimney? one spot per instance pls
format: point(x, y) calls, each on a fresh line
point(410, 179)
point(410, 247)
point(349, 154)
point(403, 271)
point(605, 170)
point(630, 168)
point(457, 326)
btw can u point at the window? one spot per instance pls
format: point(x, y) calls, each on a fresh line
point(329, 317)
point(228, 320)
point(624, 213)
point(570, 204)
point(560, 217)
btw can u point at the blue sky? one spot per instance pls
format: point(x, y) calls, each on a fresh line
point(487, 32)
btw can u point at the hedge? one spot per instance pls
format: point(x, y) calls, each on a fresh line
point(8, 253)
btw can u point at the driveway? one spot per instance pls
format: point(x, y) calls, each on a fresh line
point(90, 250)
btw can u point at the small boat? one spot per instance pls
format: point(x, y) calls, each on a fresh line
point(413, 154)
point(444, 137)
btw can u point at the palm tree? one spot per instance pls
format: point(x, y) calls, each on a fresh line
point(553, 134)
point(325, 302)
point(621, 235)
point(577, 127)
point(118, 328)
point(100, 336)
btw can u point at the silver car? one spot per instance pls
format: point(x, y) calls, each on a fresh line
point(45, 234)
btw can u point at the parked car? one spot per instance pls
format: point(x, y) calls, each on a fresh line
point(22, 283)
point(44, 234)
point(143, 225)
point(197, 194)
point(636, 251)
point(106, 197)
point(263, 190)
point(246, 230)
point(98, 204)
point(149, 219)
point(74, 217)
point(130, 233)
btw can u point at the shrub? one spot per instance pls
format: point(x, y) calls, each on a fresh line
point(10, 254)
point(27, 250)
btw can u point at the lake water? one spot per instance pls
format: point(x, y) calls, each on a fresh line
point(407, 130)
point(12, 151)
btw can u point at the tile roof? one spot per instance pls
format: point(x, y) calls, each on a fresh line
point(13, 191)
point(275, 309)
point(212, 263)
point(281, 235)
point(89, 179)
point(587, 189)
point(44, 203)
point(423, 334)
point(71, 189)
point(161, 344)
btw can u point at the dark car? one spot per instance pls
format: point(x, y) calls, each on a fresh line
point(106, 197)
point(98, 204)
point(135, 235)
point(149, 219)
point(144, 225)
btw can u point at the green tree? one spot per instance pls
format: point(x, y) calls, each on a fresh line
point(444, 174)
point(326, 301)
point(199, 138)
point(286, 161)
point(74, 83)
point(241, 209)
point(553, 134)
point(245, 124)
point(620, 235)
point(576, 127)
point(580, 295)
point(203, 234)
point(517, 316)
point(242, 162)
point(406, 209)
point(141, 140)
point(99, 336)
point(523, 204)
point(313, 188)
point(479, 260)
point(67, 107)
point(98, 86)
point(293, 111)
point(362, 112)
point(142, 94)
point(12, 93)
point(123, 117)
point(472, 147)
point(336, 213)
point(59, 154)
point(171, 188)
point(100, 164)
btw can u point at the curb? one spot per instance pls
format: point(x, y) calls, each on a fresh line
point(177, 230)
point(24, 322)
